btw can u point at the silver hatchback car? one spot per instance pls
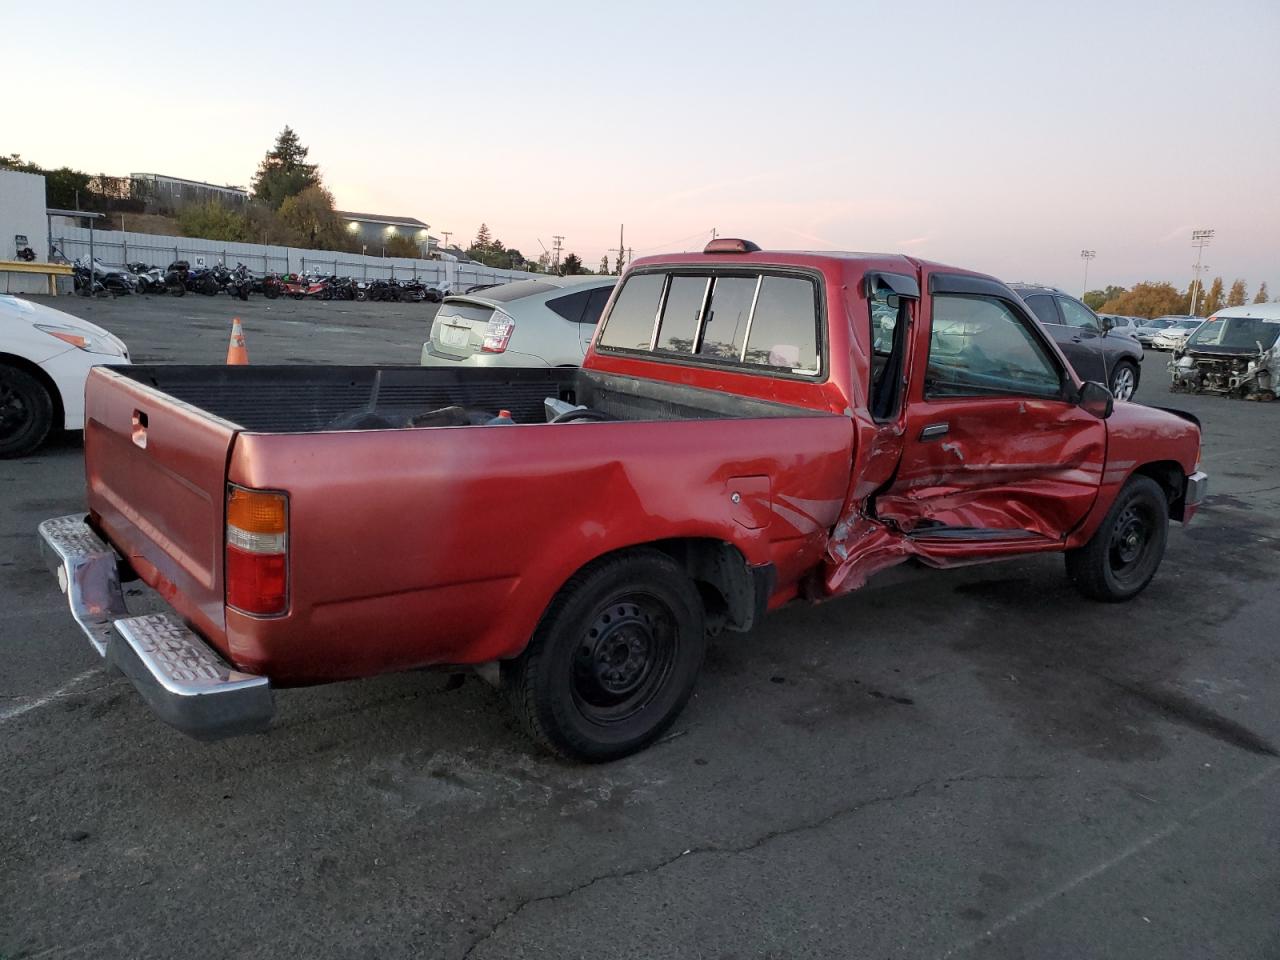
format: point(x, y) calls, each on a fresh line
point(529, 323)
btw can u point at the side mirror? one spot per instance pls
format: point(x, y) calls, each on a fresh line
point(1107, 323)
point(1096, 399)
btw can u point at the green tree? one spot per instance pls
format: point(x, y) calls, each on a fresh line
point(400, 245)
point(1237, 297)
point(1262, 293)
point(604, 265)
point(310, 221)
point(284, 171)
point(1094, 299)
point(483, 239)
point(1148, 299)
point(213, 221)
point(571, 265)
point(1212, 301)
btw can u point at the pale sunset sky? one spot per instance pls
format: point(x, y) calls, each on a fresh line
point(1004, 137)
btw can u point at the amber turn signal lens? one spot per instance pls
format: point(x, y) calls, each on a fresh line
point(255, 512)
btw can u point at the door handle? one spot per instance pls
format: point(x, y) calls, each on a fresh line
point(139, 431)
point(1076, 339)
point(933, 431)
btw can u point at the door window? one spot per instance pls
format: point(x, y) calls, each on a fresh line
point(888, 344)
point(1078, 315)
point(1042, 306)
point(980, 346)
point(633, 315)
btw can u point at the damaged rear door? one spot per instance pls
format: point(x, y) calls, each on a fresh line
point(994, 454)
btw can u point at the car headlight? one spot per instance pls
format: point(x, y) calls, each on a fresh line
point(83, 340)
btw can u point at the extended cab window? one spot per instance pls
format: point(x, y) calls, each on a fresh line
point(979, 346)
point(746, 319)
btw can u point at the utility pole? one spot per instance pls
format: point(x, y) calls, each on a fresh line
point(621, 251)
point(557, 244)
point(1199, 239)
point(713, 233)
point(1086, 256)
point(446, 234)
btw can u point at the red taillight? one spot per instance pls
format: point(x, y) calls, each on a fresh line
point(257, 552)
point(498, 334)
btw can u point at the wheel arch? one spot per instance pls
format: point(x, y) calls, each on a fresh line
point(42, 376)
point(1171, 478)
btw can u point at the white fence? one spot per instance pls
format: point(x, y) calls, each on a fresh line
point(116, 248)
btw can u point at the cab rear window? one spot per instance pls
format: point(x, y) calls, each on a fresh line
point(746, 319)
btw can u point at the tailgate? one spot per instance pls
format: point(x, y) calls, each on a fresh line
point(156, 471)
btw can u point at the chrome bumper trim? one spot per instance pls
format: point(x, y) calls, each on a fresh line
point(184, 681)
point(1197, 488)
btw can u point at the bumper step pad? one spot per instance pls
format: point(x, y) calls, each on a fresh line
point(180, 676)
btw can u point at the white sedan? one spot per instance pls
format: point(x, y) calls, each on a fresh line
point(45, 356)
point(1175, 334)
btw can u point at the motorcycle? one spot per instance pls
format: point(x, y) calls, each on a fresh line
point(114, 282)
point(175, 278)
point(413, 291)
point(236, 282)
point(149, 279)
point(202, 280)
point(304, 287)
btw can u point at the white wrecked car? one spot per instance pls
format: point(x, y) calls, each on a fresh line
point(1233, 353)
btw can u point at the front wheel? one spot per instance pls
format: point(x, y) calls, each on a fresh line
point(614, 659)
point(1124, 553)
point(26, 412)
point(1124, 380)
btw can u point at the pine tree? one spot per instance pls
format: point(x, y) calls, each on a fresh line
point(483, 239)
point(1236, 298)
point(1262, 293)
point(1212, 302)
point(284, 171)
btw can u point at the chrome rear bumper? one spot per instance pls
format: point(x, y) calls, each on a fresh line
point(184, 681)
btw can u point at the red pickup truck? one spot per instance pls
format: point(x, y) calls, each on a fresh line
point(748, 428)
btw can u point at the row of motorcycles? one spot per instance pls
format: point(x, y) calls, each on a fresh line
point(302, 286)
point(175, 280)
point(179, 278)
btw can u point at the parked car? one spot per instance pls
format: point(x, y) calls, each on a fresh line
point(1174, 334)
point(733, 442)
point(1096, 354)
point(1233, 353)
point(530, 323)
point(1121, 324)
point(1149, 328)
point(45, 356)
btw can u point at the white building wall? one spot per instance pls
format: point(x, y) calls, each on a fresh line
point(22, 212)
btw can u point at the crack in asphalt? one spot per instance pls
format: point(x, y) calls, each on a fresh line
point(760, 841)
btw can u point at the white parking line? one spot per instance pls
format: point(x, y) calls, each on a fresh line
point(9, 713)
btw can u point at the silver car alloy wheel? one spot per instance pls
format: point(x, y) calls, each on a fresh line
point(1122, 383)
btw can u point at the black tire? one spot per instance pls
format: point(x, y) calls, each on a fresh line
point(614, 658)
point(26, 412)
point(178, 290)
point(271, 291)
point(1124, 380)
point(209, 287)
point(1124, 554)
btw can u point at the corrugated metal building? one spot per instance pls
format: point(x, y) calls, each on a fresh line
point(167, 194)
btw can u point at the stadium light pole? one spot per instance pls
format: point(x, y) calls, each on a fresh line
point(1086, 256)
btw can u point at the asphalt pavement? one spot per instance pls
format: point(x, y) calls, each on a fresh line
point(972, 763)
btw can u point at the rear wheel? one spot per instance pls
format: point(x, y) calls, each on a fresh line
point(1125, 552)
point(613, 661)
point(1124, 380)
point(26, 412)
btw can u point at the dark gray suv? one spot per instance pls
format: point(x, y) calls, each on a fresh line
point(1086, 339)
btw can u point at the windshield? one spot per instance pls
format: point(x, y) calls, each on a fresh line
point(1236, 333)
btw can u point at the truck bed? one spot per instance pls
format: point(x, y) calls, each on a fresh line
point(301, 399)
point(404, 533)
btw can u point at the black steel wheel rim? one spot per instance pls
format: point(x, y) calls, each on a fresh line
point(1131, 537)
point(624, 657)
point(15, 412)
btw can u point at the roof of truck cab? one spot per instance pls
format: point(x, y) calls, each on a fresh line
point(806, 258)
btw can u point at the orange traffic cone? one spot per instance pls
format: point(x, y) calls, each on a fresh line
point(236, 352)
